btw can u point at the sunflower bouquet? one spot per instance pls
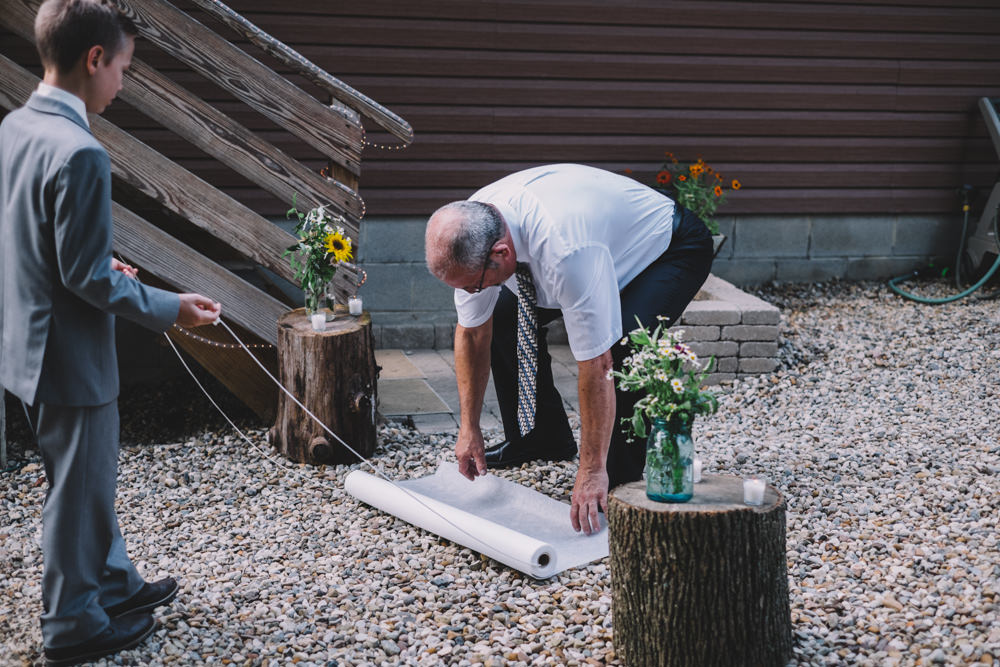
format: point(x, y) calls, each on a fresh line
point(696, 186)
point(322, 245)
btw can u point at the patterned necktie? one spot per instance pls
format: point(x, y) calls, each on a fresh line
point(527, 349)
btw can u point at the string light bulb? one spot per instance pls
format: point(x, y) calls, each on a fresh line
point(215, 343)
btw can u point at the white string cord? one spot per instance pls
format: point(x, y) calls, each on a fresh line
point(316, 419)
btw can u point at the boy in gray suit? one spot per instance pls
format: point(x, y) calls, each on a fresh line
point(60, 291)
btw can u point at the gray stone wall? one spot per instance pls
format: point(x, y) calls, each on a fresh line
point(761, 249)
point(414, 310)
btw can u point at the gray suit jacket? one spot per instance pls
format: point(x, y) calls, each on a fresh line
point(58, 294)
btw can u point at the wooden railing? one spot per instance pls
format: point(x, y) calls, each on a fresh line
point(334, 129)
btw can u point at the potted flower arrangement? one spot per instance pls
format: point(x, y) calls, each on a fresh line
point(322, 246)
point(698, 187)
point(668, 372)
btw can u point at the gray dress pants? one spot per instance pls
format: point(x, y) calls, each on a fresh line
point(85, 565)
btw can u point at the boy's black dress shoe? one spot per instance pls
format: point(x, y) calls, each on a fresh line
point(124, 633)
point(149, 597)
point(505, 455)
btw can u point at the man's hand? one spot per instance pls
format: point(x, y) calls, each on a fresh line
point(197, 310)
point(590, 493)
point(597, 419)
point(472, 372)
point(471, 453)
point(128, 270)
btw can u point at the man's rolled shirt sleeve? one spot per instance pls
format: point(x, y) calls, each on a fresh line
point(82, 230)
point(587, 291)
point(474, 310)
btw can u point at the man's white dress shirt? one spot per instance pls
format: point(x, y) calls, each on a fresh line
point(585, 233)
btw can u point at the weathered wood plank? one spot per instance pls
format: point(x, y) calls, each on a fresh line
point(769, 201)
point(166, 182)
point(693, 96)
point(473, 175)
point(725, 14)
point(232, 367)
point(583, 148)
point(630, 121)
point(356, 61)
point(337, 136)
point(288, 56)
point(500, 92)
point(216, 133)
point(638, 39)
point(167, 258)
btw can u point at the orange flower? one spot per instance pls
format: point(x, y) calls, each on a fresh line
point(737, 185)
point(709, 170)
point(682, 178)
point(663, 177)
point(669, 154)
point(628, 171)
point(696, 169)
point(718, 190)
point(718, 177)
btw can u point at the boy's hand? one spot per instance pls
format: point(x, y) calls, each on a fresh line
point(197, 310)
point(128, 270)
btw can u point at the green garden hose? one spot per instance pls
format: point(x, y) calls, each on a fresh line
point(893, 283)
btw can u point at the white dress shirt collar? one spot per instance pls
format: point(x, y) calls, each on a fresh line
point(516, 231)
point(66, 97)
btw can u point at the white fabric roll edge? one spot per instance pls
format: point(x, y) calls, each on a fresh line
point(517, 550)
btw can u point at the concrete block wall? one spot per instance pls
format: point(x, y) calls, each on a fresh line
point(761, 249)
point(738, 329)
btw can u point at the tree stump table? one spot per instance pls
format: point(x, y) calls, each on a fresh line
point(699, 583)
point(333, 373)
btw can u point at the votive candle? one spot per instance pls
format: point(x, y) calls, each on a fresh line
point(354, 305)
point(318, 321)
point(697, 470)
point(753, 491)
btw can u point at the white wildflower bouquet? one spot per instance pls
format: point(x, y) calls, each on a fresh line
point(669, 374)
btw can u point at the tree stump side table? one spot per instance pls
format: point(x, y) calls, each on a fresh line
point(699, 583)
point(333, 373)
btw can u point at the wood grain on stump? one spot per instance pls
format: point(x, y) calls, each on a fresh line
point(699, 583)
point(333, 373)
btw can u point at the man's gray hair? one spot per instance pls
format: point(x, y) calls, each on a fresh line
point(478, 227)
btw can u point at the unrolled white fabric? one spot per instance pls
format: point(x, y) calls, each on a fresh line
point(508, 522)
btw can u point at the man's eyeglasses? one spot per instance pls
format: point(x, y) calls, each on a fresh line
point(482, 276)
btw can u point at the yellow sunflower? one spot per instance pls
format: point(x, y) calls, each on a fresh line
point(339, 246)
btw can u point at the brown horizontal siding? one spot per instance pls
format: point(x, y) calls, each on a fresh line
point(739, 14)
point(633, 39)
point(651, 122)
point(817, 107)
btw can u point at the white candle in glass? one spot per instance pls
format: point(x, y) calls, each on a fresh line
point(697, 470)
point(354, 305)
point(753, 491)
point(318, 321)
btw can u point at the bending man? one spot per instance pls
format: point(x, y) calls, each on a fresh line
point(570, 241)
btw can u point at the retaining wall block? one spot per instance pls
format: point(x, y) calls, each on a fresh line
point(726, 365)
point(743, 332)
point(711, 312)
point(758, 365)
point(699, 333)
point(759, 349)
point(722, 348)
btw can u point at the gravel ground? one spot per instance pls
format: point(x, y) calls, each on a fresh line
point(880, 427)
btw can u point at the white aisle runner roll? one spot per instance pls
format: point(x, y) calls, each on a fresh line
point(510, 523)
